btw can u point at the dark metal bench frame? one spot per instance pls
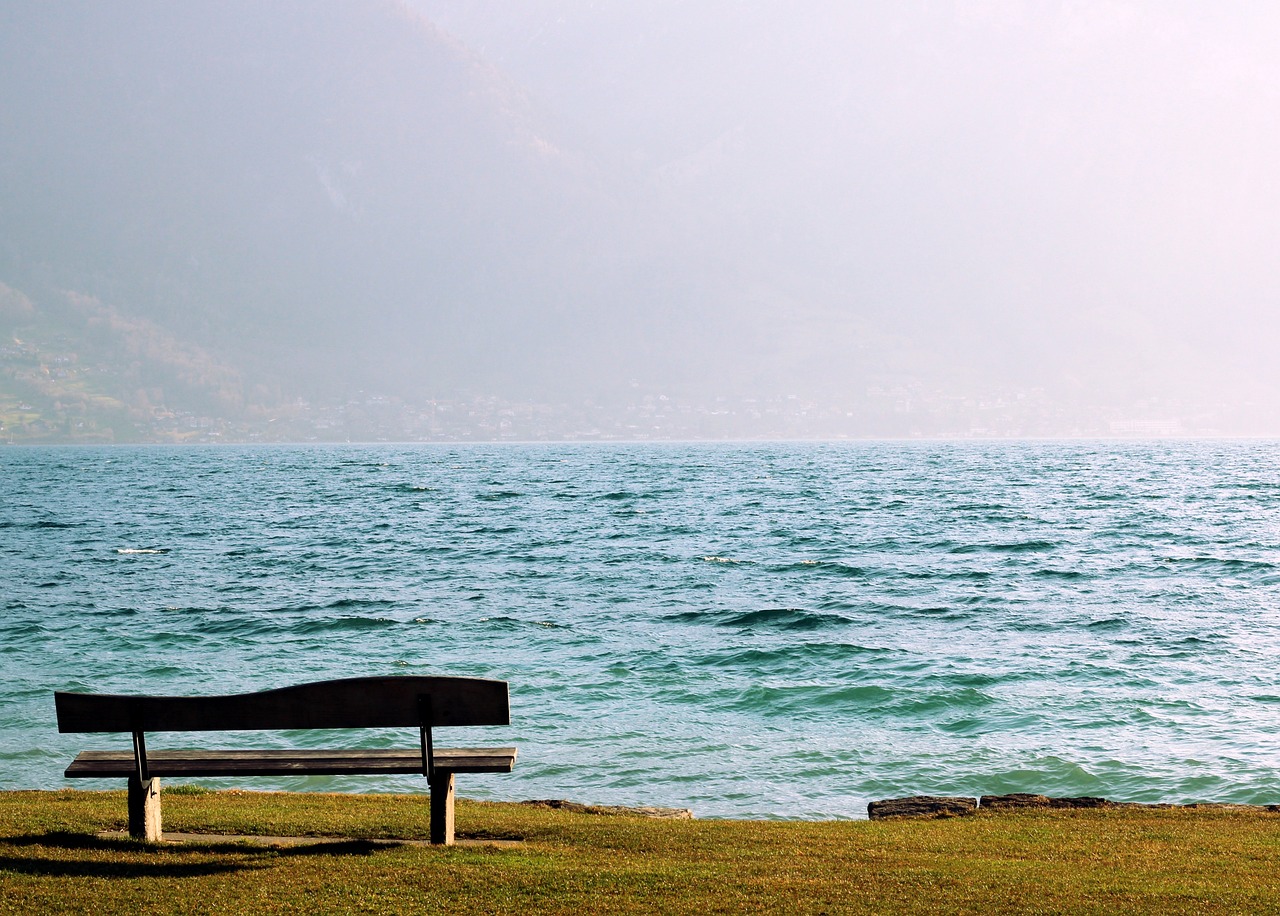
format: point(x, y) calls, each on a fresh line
point(367, 702)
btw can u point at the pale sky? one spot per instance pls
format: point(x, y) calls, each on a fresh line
point(1066, 189)
point(563, 198)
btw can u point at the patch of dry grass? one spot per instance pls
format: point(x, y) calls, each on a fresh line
point(1083, 861)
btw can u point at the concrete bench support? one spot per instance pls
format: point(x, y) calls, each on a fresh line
point(144, 809)
point(441, 784)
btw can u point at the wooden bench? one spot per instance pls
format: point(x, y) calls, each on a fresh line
point(366, 702)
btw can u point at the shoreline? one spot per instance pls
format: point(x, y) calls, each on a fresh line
point(919, 807)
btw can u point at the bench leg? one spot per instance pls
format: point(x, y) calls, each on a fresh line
point(144, 809)
point(442, 807)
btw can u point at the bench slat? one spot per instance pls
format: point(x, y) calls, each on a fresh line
point(300, 762)
point(365, 702)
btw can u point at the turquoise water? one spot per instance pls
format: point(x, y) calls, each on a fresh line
point(782, 630)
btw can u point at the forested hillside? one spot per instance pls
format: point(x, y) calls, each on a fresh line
point(324, 194)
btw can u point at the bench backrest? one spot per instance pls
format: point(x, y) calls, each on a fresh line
point(360, 702)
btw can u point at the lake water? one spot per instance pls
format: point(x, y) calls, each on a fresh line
point(774, 630)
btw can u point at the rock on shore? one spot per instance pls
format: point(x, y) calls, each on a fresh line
point(921, 806)
point(926, 806)
point(1027, 800)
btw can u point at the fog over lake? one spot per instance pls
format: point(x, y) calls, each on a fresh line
point(652, 219)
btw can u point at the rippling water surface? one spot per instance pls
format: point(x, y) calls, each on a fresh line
point(777, 630)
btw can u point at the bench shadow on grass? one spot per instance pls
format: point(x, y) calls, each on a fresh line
point(124, 858)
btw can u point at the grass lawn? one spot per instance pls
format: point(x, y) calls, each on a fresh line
point(1087, 861)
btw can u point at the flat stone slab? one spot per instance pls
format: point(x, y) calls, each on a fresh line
point(1028, 800)
point(922, 806)
point(673, 814)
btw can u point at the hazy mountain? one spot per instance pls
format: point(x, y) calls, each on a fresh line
point(566, 199)
point(334, 193)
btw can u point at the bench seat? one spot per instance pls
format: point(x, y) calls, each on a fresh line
point(424, 702)
point(301, 762)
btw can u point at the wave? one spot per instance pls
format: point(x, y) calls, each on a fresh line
point(342, 604)
point(1066, 575)
point(815, 700)
point(826, 700)
point(1234, 564)
point(253, 626)
point(936, 612)
point(792, 658)
point(957, 575)
point(343, 625)
point(503, 622)
point(833, 568)
point(19, 630)
point(239, 627)
point(495, 529)
point(1031, 546)
point(498, 496)
point(781, 618)
point(42, 523)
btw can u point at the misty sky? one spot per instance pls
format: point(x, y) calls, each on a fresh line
point(569, 199)
point(1064, 189)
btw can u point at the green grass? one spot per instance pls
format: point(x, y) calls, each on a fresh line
point(1082, 861)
